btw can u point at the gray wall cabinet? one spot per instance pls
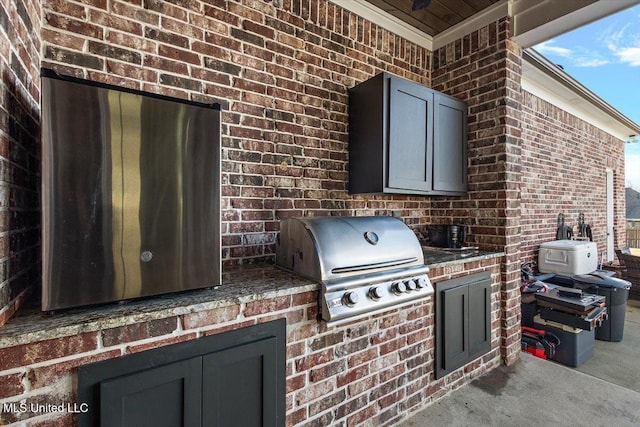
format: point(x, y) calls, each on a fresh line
point(406, 138)
point(463, 321)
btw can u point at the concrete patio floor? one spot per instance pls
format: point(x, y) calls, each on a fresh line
point(603, 391)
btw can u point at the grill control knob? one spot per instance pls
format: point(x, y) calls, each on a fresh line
point(350, 298)
point(411, 285)
point(422, 282)
point(375, 293)
point(398, 288)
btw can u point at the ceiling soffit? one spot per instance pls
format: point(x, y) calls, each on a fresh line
point(444, 21)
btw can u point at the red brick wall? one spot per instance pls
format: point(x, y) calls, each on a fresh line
point(19, 153)
point(370, 372)
point(281, 69)
point(564, 164)
point(483, 68)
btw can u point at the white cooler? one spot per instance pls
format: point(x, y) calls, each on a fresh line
point(568, 257)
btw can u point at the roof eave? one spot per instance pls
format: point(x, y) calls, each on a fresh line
point(624, 127)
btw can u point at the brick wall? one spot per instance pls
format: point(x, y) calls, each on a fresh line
point(281, 70)
point(484, 68)
point(19, 153)
point(370, 372)
point(564, 164)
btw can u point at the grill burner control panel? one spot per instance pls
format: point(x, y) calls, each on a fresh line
point(347, 302)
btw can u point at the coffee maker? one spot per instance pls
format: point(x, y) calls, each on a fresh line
point(447, 236)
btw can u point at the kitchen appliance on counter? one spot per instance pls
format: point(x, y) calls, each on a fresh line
point(130, 193)
point(447, 236)
point(366, 265)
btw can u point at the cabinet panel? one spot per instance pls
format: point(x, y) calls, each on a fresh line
point(456, 324)
point(480, 318)
point(240, 386)
point(410, 133)
point(463, 321)
point(169, 395)
point(368, 128)
point(450, 145)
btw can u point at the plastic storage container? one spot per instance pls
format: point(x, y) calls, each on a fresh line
point(528, 311)
point(576, 345)
point(568, 257)
point(616, 292)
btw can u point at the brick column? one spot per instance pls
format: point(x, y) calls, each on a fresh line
point(484, 69)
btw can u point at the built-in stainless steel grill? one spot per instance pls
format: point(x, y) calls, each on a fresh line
point(366, 265)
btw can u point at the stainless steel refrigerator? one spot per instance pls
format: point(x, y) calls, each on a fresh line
point(130, 193)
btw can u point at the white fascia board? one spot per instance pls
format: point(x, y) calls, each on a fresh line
point(548, 88)
point(529, 29)
point(387, 21)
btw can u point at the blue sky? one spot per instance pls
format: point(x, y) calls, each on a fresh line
point(605, 57)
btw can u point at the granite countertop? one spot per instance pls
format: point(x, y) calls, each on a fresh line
point(439, 257)
point(240, 285)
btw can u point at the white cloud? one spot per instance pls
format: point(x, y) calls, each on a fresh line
point(589, 62)
point(548, 49)
point(612, 35)
point(622, 43)
point(629, 55)
point(616, 43)
point(578, 56)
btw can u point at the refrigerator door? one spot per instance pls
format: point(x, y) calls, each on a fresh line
point(131, 194)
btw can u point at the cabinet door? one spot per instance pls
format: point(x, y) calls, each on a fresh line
point(479, 318)
point(240, 386)
point(463, 321)
point(456, 327)
point(169, 395)
point(409, 147)
point(450, 145)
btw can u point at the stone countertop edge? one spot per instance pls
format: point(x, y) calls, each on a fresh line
point(240, 285)
point(434, 257)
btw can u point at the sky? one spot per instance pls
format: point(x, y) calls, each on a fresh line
point(605, 57)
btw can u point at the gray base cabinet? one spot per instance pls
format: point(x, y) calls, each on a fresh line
point(236, 378)
point(463, 321)
point(170, 393)
point(405, 138)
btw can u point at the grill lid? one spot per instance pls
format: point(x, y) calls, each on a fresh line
point(326, 248)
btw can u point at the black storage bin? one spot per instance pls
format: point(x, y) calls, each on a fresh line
point(616, 292)
point(528, 310)
point(576, 345)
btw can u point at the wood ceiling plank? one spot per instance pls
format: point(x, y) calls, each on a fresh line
point(439, 16)
point(403, 12)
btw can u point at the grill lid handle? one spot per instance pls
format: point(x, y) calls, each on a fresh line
point(373, 266)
